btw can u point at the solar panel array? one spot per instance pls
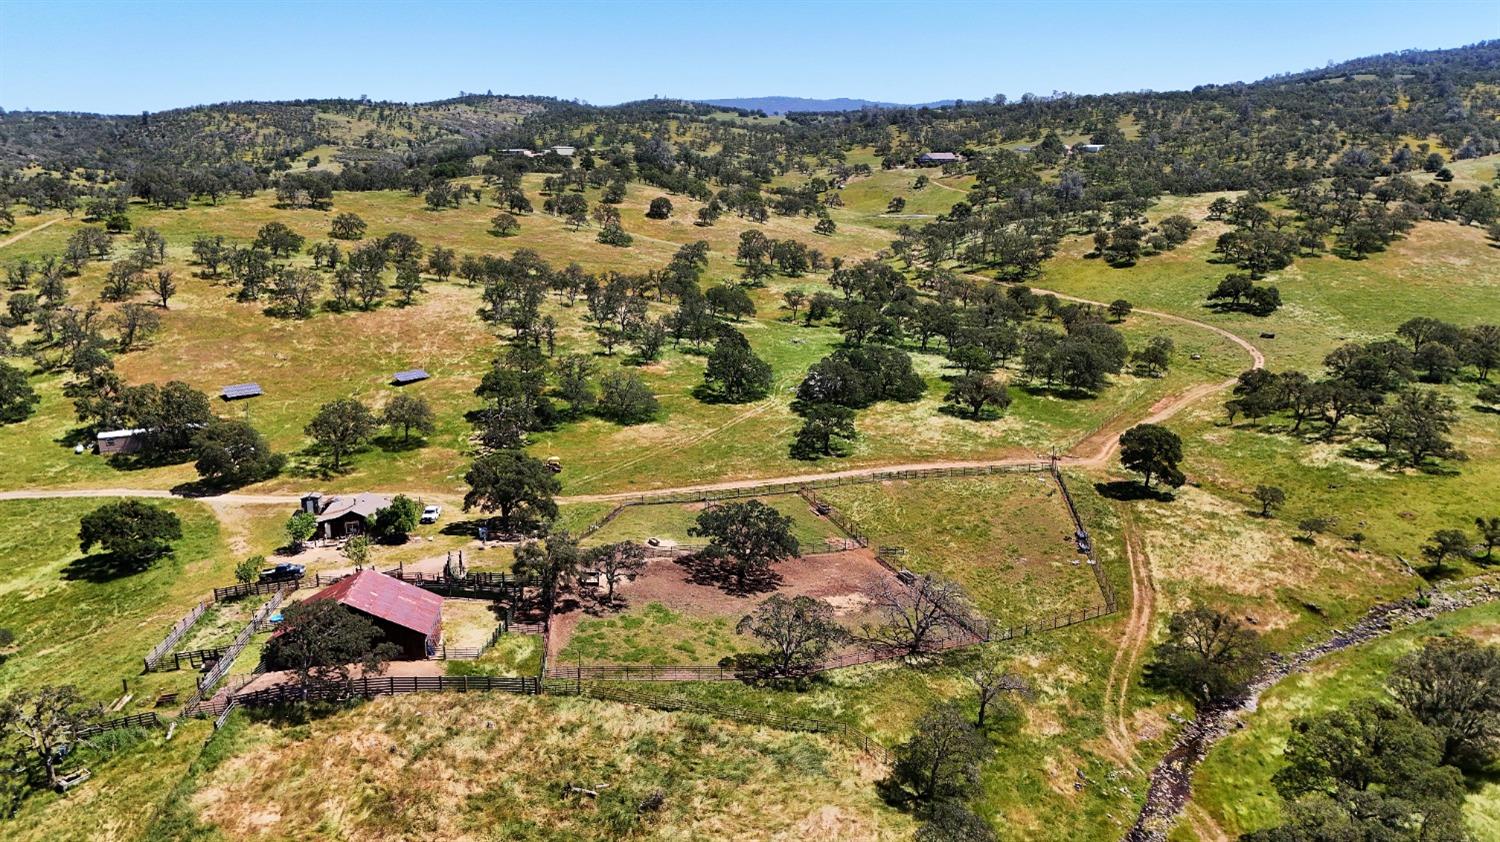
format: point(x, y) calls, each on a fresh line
point(240, 390)
point(411, 375)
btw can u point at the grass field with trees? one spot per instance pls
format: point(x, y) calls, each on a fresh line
point(1254, 326)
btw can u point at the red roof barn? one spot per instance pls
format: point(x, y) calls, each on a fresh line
point(410, 617)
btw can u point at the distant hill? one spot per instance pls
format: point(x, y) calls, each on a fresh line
point(788, 104)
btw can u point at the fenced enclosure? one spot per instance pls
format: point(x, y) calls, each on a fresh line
point(194, 658)
point(614, 693)
point(139, 720)
point(369, 688)
point(260, 619)
point(968, 630)
point(793, 486)
point(244, 589)
point(826, 509)
point(1081, 534)
point(469, 653)
point(175, 636)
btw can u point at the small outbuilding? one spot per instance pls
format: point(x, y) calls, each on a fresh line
point(411, 375)
point(120, 441)
point(240, 390)
point(343, 515)
point(408, 616)
point(937, 159)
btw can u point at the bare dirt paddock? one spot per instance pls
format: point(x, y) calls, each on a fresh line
point(689, 612)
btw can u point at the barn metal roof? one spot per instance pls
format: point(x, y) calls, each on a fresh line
point(411, 375)
point(378, 595)
point(240, 390)
point(121, 434)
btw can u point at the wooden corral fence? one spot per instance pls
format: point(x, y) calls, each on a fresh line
point(469, 653)
point(1085, 545)
point(674, 551)
point(481, 585)
point(1059, 620)
point(835, 517)
point(168, 643)
point(224, 715)
point(244, 589)
point(970, 635)
point(194, 658)
point(602, 522)
point(260, 619)
point(794, 486)
point(368, 688)
point(715, 672)
point(139, 720)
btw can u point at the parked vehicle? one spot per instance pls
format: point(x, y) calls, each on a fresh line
point(283, 572)
point(431, 514)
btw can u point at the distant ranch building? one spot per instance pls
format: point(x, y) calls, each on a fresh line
point(343, 515)
point(407, 616)
point(120, 441)
point(937, 159)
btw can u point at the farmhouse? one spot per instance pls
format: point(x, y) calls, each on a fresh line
point(120, 441)
point(934, 159)
point(343, 515)
point(408, 616)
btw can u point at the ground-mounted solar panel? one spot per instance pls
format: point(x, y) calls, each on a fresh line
point(411, 375)
point(240, 390)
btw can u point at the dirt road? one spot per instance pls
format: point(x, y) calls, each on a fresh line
point(15, 238)
point(1094, 451)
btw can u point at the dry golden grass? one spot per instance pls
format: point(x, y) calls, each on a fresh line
point(495, 767)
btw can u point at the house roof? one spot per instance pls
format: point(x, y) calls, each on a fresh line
point(363, 504)
point(940, 156)
point(378, 595)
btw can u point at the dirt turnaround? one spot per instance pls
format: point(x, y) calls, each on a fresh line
point(1171, 782)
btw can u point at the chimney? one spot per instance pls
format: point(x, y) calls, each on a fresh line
point(311, 502)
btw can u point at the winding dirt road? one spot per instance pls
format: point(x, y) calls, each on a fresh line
point(17, 237)
point(1092, 452)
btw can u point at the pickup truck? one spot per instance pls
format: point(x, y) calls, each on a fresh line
point(282, 572)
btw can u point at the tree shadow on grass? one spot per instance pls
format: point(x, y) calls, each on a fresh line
point(1063, 392)
point(75, 437)
point(104, 567)
point(309, 464)
point(393, 443)
point(299, 713)
point(706, 570)
point(1129, 490)
point(964, 414)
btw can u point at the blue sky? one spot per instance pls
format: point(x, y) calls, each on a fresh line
point(125, 57)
